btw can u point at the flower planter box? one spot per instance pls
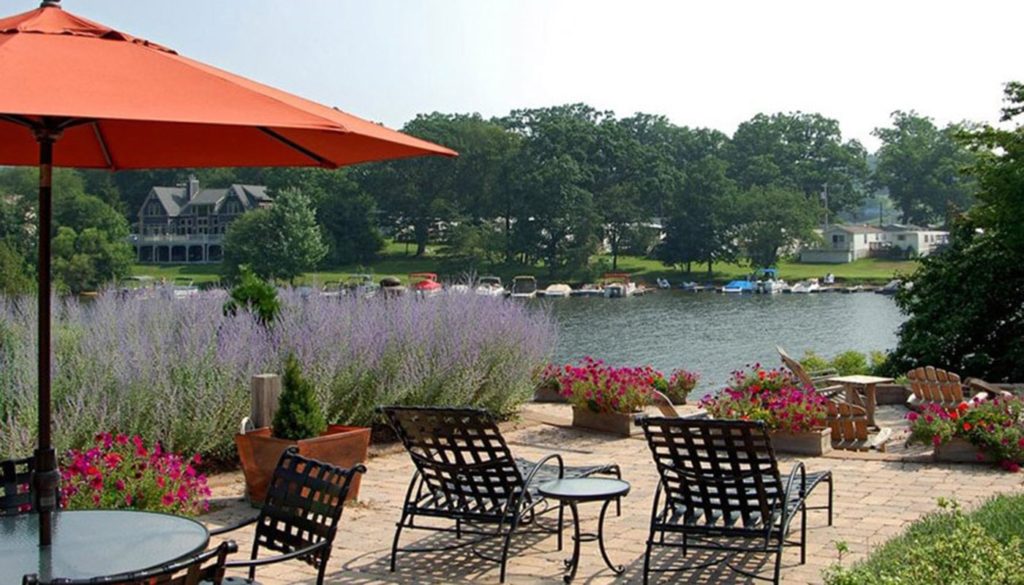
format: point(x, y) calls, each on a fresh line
point(815, 442)
point(957, 450)
point(259, 451)
point(615, 423)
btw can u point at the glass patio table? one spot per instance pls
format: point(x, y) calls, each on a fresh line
point(94, 543)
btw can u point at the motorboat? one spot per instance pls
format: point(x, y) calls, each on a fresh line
point(490, 286)
point(768, 281)
point(806, 286)
point(360, 285)
point(773, 287)
point(524, 287)
point(894, 286)
point(558, 290)
point(739, 287)
point(425, 284)
point(392, 287)
point(617, 285)
point(664, 284)
point(138, 287)
point(460, 289)
point(183, 287)
point(588, 290)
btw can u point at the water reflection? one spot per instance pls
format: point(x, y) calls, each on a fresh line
point(715, 334)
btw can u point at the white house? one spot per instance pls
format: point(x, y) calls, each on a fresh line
point(846, 243)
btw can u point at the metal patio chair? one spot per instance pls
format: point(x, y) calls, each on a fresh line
point(300, 515)
point(720, 490)
point(204, 569)
point(16, 496)
point(466, 473)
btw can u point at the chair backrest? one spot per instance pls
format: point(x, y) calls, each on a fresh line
point(16, 486)
point(936, 385)
point(204, 569)
point(461, 456)
point(721, 472)
point(848, 422)
point(796, 367)
point(303, 505)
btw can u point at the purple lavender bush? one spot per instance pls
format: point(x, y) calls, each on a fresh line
point(178, 371)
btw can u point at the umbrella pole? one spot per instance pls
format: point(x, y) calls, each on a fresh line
point(46, 478)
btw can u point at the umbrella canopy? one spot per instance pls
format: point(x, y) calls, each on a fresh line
point(81, 94)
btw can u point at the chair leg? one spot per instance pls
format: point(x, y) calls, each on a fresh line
point(647, 558)
point(504, 549)
point(458, 528)
point(778, 564)
point(561, 523)
point(830, 499)
point(803, 534)
point(320, 573)
point(394, 544)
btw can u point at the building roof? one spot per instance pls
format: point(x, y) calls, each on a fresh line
point(858, 229)
point(175, 199)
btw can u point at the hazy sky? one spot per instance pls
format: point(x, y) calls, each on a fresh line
point(710, 64)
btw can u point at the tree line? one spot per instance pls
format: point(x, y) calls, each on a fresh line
point(544, 186)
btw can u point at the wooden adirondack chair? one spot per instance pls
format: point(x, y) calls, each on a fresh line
point(849, 426)
point(817, 380)
point(930, 385)
point(934, 386)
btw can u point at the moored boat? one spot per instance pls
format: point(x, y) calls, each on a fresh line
point(558, 290)
point(618, 285)
point(524, 287)
point(490, 286)
point(425, 284)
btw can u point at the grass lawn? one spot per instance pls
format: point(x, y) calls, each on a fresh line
point(949, 548)
point(397, 260)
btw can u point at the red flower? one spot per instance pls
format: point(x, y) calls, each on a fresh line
point(962, 407)
point(967, 426)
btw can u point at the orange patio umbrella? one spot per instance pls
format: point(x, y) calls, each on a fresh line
point(80, 94)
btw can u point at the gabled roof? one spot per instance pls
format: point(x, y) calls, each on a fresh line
point(175, 199)
point(858, 229)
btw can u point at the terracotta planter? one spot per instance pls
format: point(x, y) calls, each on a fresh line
point(339, 445)
point(615, 423)
point(957, 450)
point(815, 442)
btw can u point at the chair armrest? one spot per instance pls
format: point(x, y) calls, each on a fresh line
point(979, 385)
point(664, 404)
point(233, 527)
point(555, 456)
point(277, 558)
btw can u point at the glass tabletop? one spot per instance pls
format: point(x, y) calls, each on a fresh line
point(582, 489)
point(94, 543)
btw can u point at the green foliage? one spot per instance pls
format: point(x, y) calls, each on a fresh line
point(86, 261)
point(770, 221)
point(850, 363)
point(921, 166)
point(17, 279)
point(283, 241)
point(847, 363)
point(298, 415)
point(965, 306)
point(948, 548)
point(255, 295)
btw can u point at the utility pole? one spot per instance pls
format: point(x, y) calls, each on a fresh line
point(824, 198)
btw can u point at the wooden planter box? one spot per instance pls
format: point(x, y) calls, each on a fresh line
point(816, 442)
point(615, 423)
point(957, 450)
point(259, 451)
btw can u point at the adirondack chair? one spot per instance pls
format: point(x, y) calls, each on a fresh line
point(849, 426)
point(930, 385)
point(817, 380)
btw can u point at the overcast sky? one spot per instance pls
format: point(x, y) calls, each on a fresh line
point(710, 64)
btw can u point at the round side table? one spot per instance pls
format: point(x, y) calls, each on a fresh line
point(570, 492)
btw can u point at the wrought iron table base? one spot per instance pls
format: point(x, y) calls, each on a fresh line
point(572, 563)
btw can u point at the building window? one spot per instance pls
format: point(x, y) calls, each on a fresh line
point(901, 237)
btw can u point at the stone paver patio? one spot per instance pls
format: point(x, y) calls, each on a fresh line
point(876, 496)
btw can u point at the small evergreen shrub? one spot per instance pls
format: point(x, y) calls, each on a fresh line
point(254, 294)
point(298, 415)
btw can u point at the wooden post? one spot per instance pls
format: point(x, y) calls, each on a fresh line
point(266, 390)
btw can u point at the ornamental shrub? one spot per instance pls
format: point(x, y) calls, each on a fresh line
point(298, 415)
point(680, 384)
point(774, 397)
point(254, 294)
point(119, 472)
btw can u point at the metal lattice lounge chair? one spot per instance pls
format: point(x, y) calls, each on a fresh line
point(720, 490)
point(466, 473)
point(16, 486)
point(204, 569)
point(299, 517)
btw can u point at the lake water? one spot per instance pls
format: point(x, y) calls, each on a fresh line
point(715, 334)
